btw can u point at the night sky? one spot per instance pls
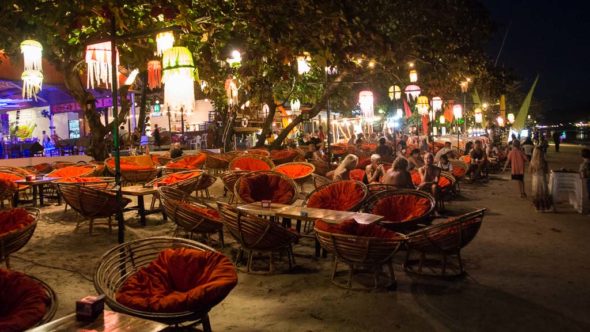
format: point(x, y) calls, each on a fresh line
point(550, 38)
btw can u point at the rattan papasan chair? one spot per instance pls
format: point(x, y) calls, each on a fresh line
point(8, 188)
point(92, 203)
point(186, 181)
point(134, 169)
point(72, 171)
point(251, 163)
point(283, 156)
point(346, 195)
point(229, 180)
point(25, 301)
point(165, 279)
point(186, 162)
point(402, 209)
point(299, 171)
point(364, 248)
point(265, 185)
point(256, 234)
point(442, 240)
point(190, 214)
point(16, 229)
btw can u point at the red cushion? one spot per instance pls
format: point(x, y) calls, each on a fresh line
point(10, 177)
point(13, 219)
point(177, 177)
point(80, 179)
point(363, 163)
point(340, 196)
point(189, 162)
point(351, 227)
point(246, 163)
point(22, 301)
point(443, 182)
point(283, 155)
point(204, 211)
point(416, 178)
point(357, 174)
point(458, 171)
point(294, 171)
point(465, 159)
point(259, 187)
point(133, 163)
point(179, 280)
point(401, 208)
point(71, 171)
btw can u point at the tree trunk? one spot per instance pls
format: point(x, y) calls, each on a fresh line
point(143, 104)
point(267, 125)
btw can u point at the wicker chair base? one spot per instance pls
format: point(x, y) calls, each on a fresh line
point(431, 266)
point(271, 267)
point(380, 279)
point(188, 234)
point(91, 224)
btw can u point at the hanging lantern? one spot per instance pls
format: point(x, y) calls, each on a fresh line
point(164, 41)
point(265, 110)
point(32, 75)
point(179, 74)
point(295, 106)
point(399, 113)
point(412, 91)
point(98, 60)
point(303, 63)
point(464, 86)
point(500, 121)
point(154, 68)
point(458, 111)
point(422, 105)
point(478, 115)
point(510, 118)
point(395, 93)
point(442, 119)
point(413, 76)
point(231, 91)
point(437, 103)
point(236, 59)
point(366, 103)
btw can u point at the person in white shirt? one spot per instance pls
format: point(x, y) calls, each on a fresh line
point(443, 151)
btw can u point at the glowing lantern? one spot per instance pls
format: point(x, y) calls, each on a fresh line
point(303, 63)
point(32, 75)
point(422, 105)
point(413, 76)
point(500, 121)
point(295, 105)
point(164, 41)
point(366, 103)
point(395, 93)
point(236, 58)
point(437, 103)
point(154, 69)
point(179, 74)
point(231, 91)
point(442, 119)
point(399, 113)
point(98, 60)
point(464, 86)
point(510, 117)
point(478, 115)
point(412, 91)
point(458, 111)
point(131, 78)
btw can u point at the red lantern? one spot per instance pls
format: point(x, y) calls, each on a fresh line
point(154, 68)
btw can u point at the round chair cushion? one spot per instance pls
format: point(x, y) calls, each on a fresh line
point(77, 179)
point(357, 174)
point(401, 208)
point(133, 163)
point(177, 177)
point(259, 187)
point(23, 301)
point(458, 172)
point(70, 171)
point(179, 280)
point(340, 196)
point(189, 162)
point(12, 177)
point(203, 211)
point(283, 155)
point(351, 227)
point(246, 163)
point(294, 171)
point(14, 219)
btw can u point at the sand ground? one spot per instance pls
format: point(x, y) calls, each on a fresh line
point(527, 271)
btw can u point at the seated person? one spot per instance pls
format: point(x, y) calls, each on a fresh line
point(384, 150)
point(445, 150)
point(374, 171)
point(444, 164)
point(429, 173)
point(398, 175)
point(479, 161)
point(415, 160)
point(175, 151)
point(342, 172)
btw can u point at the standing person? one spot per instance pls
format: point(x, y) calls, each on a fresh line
point(321, 134)
point(544, 144)
point(540, 188)
point(585, 168)
point(517, 159)
point(157, 137)
point(122, 135)
point(556, 140)
point(45, 140)
point(528, 147)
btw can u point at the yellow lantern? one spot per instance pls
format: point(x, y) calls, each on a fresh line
point(395, 92)
point(422, 105)
point(366, 103)
point(500, 121)
point(164, 41)
point(179, 74)
point(32, 82)
point(413, 76)
point(464, 86)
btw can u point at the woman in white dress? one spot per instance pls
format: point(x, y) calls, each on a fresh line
point(539, 170)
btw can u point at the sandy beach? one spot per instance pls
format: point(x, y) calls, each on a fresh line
point(526, 271)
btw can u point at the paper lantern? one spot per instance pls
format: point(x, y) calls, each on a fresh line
point(413, 76)
point(295, 105)
point(236, 58)
point(510, 118)
point(98, 60)
point(442, 119)
point(422, 105)
point(179, 74)
point(303, 63)
point(32, 75)
point(437, 103)
point(164, 41)
point(412, 91)
point(395, 92)
point(458, 111)
point(478, 116)
point(500, 121)
point(464, 86)
point(154, 69)
point(366, 103)
point(399, 113)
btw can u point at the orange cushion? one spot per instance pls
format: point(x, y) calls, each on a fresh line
point(250, 164)
point(339, 149)
point(458, 172)
point(416, 178)
point(363, 162)
point(189, 162)
point(133, 163)
point(340, 196)
point(282, 155)
point(179, 280)
point(351, 227)
point(71, 171)
point(258, 152)
point(401, 208)
point(13, 219)
point(443, 182)
point(177, 177)
point(22, 301)
point(80, 179)
point(294, 171)
point(357, 174)
point(259, 187)
point(369, 147)
point(465, 159)
point(204, 211)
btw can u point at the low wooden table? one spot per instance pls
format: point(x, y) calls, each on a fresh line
point(37, 186)
point(140, 191)
point(111, 321)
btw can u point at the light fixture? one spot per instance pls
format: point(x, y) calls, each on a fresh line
point(412, 91)
point(303, 63)
point(500, 121)
point(422, 105)
point(164, 41)
point(154, 69)
point(236, 58)
point(179, 74)
point(457, 111)
point(478, 115)
point(464, 86)
point(437, 103)
point(442, 119)
point(99, 62)
point(131, 78)
point(32, 51)
point(399, 113)
point(510, 118)
point(395, 92)
point(413, 76)
point(32, 75)
point(295, 106)
point(366, 103)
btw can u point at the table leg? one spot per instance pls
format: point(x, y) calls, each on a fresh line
point(15, 199)
point(141, 208)
point(41, 195)
point(35, 192)
point(318, 248)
